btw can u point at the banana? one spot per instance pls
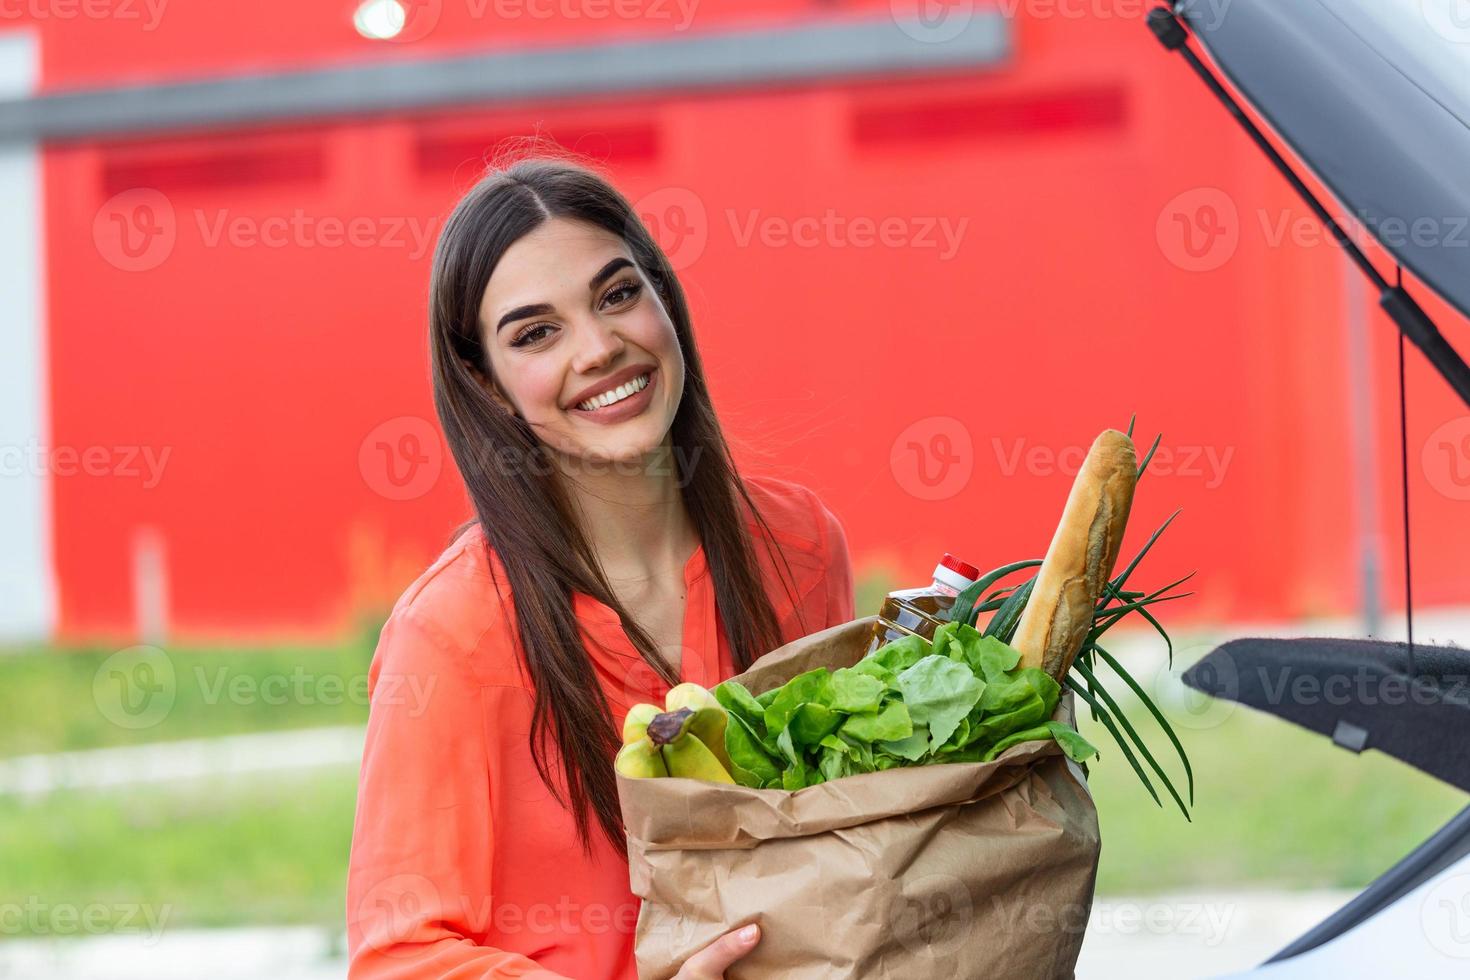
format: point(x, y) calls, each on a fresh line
point(688, 695)
point(710, 718)
point(688, 756)
point(636, 724)
point(640, 759)
point(683, 753)
point(686, 739)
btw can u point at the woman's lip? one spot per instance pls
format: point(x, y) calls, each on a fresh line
point(631, 373)
point(627, 408)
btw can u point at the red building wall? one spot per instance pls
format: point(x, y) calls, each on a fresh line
point(1069, 300)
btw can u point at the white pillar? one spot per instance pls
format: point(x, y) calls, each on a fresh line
point(27, 573)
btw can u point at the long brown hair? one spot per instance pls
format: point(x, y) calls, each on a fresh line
point(528, 519)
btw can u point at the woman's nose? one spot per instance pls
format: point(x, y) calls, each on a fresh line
point(597, 344)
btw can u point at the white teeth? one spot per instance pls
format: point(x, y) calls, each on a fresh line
point(616, 395)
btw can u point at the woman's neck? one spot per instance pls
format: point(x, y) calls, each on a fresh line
point(634, 517)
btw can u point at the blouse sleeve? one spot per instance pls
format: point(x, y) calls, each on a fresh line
point(839, 586)
point(418, 880)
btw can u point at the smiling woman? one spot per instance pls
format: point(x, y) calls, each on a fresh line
point(616, 553)
point(609, 353)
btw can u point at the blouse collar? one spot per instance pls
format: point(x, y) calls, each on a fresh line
point(586, 606)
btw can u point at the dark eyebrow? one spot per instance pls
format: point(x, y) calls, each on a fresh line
point(539, 309)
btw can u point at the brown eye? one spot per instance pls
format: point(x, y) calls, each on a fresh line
point(530, 335)
point(628, 289)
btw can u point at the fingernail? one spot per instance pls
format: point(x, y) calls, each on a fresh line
point(748, 934)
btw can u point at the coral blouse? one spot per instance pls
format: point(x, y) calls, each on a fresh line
point(463, 864)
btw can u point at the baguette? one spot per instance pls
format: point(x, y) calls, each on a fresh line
point(1080, 560)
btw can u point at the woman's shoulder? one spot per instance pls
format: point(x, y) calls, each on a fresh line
point(812, 538)
point(460, 605)
point(815, 545)
point(796, 514)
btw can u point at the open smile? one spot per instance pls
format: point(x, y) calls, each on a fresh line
point(623, 402)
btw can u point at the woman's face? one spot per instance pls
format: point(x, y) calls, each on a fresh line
point(568, 314)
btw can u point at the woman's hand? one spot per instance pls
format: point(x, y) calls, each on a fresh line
point(711, 962)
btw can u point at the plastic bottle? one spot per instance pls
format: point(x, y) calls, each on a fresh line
point(920, 611)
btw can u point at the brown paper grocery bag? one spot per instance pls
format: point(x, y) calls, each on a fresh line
point(954, 870)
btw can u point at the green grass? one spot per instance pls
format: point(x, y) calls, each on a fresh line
point(263, 850)
point(57, 699)
point(1275, 806)
point(60, 699)
point(869, 591)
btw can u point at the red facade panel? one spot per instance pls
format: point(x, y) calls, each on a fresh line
point(921, 296)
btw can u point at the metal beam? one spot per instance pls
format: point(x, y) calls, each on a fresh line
point(710, 60)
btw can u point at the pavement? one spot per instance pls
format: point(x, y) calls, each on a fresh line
point(1162, 937)
point(166, 762)
point(1196, 933)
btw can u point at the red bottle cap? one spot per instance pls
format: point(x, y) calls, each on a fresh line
point(962, 567)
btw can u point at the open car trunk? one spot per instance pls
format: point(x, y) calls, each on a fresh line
point(1374, 97)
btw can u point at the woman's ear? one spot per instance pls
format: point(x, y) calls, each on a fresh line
point(492, 388)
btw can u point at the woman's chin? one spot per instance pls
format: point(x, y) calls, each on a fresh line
point(615, 455)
